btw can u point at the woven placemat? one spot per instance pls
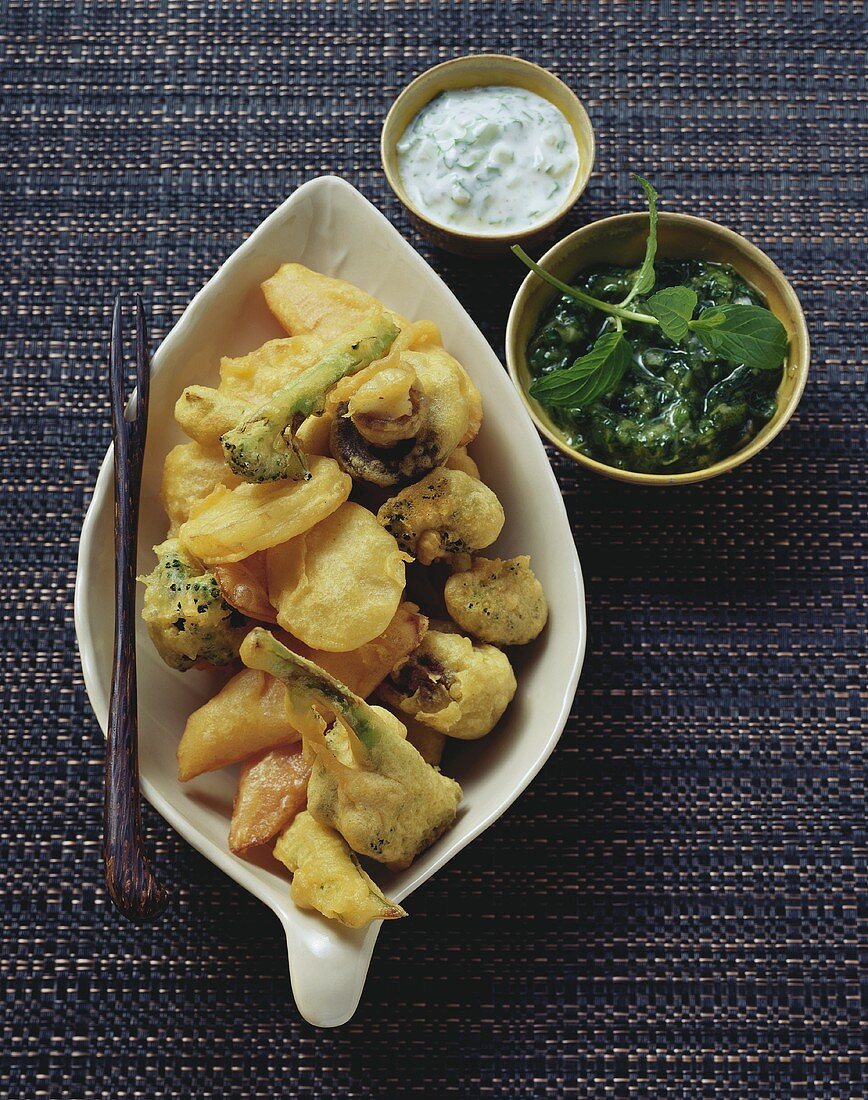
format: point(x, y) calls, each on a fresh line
point(673, 907)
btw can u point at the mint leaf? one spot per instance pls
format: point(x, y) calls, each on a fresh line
point(712, 318)
point(743, 334)
point(645, 275)
point(673, 308)
point(596, 373)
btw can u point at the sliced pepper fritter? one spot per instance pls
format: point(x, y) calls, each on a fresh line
point(326, 875)
point(367, 781)
point(498, 601)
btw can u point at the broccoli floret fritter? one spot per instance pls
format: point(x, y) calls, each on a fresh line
point(188, 619)
point(262, 447)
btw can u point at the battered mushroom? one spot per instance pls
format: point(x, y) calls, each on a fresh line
point(447, 513)
point(498, 601)
point(406, 419)
point(388, 405)
point(452, 685)
point(367, 781)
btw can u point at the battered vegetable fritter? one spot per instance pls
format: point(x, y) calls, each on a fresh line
point(261, 447)
point(188, 619)
point(447, 513)
point(326, 875)
point(498, 601)
point(355, 400)
point(452, 685)
point(367, 781)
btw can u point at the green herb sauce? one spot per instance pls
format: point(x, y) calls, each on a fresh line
point(677, 408)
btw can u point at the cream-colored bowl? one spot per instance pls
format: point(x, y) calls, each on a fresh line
point(327, 225)
point(472, 72)
point(621, 240)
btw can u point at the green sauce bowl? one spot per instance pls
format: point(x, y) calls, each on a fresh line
point(621, 240)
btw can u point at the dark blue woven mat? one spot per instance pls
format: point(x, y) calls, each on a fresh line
point(673, 908)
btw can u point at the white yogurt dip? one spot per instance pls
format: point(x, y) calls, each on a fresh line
point(488, 160)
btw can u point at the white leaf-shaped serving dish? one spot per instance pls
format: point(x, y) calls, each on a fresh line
point(327, 225)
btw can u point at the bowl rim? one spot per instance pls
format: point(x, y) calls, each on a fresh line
point(708, 228)
point(580, 181)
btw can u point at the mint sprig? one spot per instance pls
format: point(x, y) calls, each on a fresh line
point(740, 334)
point(644, 278)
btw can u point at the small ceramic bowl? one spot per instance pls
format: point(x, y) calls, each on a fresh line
point(473, 72)
point(621, 240)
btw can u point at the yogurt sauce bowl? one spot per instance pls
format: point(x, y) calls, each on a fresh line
point(487, 151)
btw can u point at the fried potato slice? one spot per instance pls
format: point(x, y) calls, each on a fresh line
point(244, 585)
point(308, 303)
point(205, 414)
point(363, 669)
point(254, 377)
point(251, 713)
point(231, 524)
point(498, 601)
point(272, 790)
point(190, 473)
point(327, 876)
point(337, 586)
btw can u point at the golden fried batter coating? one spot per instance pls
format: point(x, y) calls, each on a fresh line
point(326, 876)
point(447, 513)
point(406, 416)
point(452, 685)
point(387, 802)
point(367, 781)
point(498, 601)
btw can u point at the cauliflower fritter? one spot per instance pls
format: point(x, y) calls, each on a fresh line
point(498, 601)
point(447, 513)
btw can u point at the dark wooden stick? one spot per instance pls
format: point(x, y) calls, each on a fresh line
point(131, 883)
